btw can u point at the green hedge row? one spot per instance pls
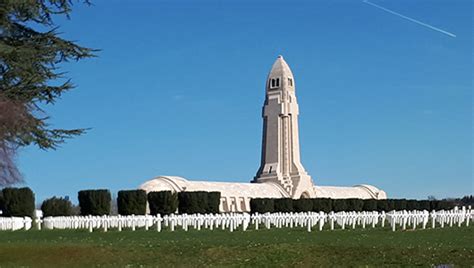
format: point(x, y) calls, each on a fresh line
point(97, 202)
point(198, 202)
point(131, 202)
point(264, 205)
point(21, 202)
point(94, 202)
point(17, 202)
point(163, 203)
point(166, 202)
point(56, 207)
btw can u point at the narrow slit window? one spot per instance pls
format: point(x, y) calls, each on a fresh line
point(290, 82)
point(273, 83)
point(278, 82)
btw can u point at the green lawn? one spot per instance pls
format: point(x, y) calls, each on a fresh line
point(275, 247)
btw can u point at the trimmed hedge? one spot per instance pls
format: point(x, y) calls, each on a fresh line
point(262, 205)
point(202, 202)
point(424, 205)
point(2, 204)
point(399, 204)
point(94, 202)
point(354, 204)
point(198, 202)
point(382, 205)
point(413, 204)
point(370, 205)
point(302, 205)
point(55, 206)
point(322, 204)
point(441, 205)
point(283, 205)
point(391, 204)
point(163, 203)
point(339, 205)
point(17, 202)
point(434, 204)
point(213, 202)
point(131, 202)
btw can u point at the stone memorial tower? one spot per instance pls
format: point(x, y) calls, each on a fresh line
point(281, 162)
point(281, 174)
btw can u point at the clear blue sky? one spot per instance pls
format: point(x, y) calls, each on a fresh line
point(178, 89)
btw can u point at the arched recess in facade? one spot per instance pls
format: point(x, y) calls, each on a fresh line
point(305, 195)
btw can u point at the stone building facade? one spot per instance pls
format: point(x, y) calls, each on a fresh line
point(281, 173)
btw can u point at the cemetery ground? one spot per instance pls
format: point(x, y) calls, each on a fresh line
point(274, 247)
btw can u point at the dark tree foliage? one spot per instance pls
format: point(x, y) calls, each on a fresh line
point(18, 202)
point(9, 173)
point(370, 205)
point(339, 205)
point(262, 205)
point(283, 205)
point(2, 203)
point(383, 205)
point(444, 205)
point(163, 203)
point(467, 200)
point(76, 210)
point(354, 204)
point(132, 202)
point(399, 204)
point(213, 202)
point(434, 204)
point(193, 202)
point(448, 203)
point(187, 202)
point(391, 204)
point(31, 52)
point(413, 204)
point(202, 201)
point(424, 205)
point(322, 204)
point(94, 202)
point(302, 205)
point(56, 207)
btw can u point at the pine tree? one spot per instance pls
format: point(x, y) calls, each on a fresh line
point(31, 51)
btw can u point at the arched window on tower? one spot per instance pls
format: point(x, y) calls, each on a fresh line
point(290, 82)
point(274, 83)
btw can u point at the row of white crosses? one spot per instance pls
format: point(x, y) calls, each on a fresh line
point(15, 223)
point(99, 222)
point(289, 220)
point(233, 221)
point(353, 219)
point(230, 221)
point(309, 220)
point(413, 219)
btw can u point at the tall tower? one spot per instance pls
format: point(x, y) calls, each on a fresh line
point(280, 143)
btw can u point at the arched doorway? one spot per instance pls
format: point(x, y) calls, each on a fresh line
point(304, 195)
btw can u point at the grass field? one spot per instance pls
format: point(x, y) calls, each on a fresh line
point(275, 247)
